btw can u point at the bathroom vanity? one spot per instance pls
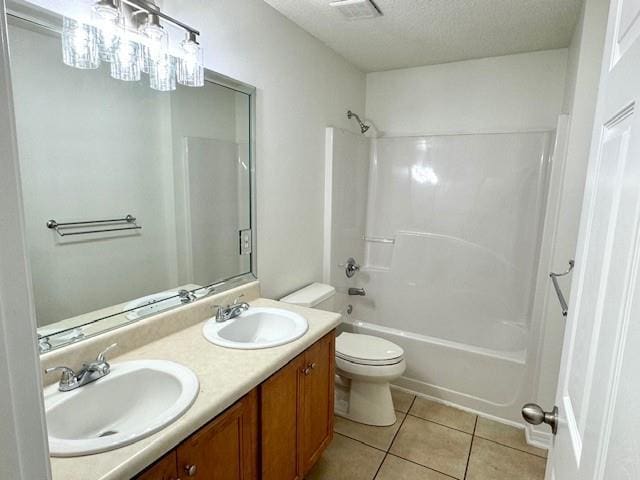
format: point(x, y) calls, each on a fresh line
point(263, 413)
point(280, 428)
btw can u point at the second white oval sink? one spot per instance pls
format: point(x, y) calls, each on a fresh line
point(135, 400)
point(258, 327)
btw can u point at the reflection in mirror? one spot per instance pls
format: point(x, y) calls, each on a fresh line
point(149, 192)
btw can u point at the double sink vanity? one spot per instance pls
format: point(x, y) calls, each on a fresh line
point(191, 397)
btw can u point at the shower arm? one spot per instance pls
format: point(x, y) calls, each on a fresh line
point(363, 127)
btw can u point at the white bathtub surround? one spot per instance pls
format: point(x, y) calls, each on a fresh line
point(452, 283)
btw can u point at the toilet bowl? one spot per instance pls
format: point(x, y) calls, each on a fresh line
point(365, 366)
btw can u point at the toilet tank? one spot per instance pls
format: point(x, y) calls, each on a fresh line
point(316, 295)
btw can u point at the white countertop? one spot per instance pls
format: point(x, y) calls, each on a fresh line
point(225, 376)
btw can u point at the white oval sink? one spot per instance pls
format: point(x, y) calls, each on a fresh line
point(135, 400)
point(257, 328)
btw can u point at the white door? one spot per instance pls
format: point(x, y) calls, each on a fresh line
point(599, 387)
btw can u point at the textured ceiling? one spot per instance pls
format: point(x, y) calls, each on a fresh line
point(425, 32)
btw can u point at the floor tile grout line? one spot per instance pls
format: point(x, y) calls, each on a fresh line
point(386, 454)
point(510, 447)
point(360, 441)
point(475, 434)
point(421, 465)
point(441, 424)
point(473, 437)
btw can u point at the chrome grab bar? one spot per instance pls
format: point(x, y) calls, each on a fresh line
point(60, 228)
point(556, 286)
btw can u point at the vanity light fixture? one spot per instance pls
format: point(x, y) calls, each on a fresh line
point(130, 36)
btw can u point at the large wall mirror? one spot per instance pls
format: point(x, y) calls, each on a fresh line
point(136, 201)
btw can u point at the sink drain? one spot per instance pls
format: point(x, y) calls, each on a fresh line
point(107, 433)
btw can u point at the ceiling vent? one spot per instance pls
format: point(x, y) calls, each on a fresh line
point(357, 9)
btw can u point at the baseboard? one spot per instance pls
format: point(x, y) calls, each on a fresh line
point(537, 438)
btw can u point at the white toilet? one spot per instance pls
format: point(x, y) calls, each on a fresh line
point(365, 365)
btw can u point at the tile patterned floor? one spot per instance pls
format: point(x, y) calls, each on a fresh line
point(430, 441)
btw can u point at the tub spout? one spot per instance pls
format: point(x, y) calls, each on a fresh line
point(357, 291)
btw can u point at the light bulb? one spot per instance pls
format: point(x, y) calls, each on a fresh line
point(107, 18)
point(190, 64)
point(79, 45)
point(156, 45)
point(162, 74)
point(124, 64)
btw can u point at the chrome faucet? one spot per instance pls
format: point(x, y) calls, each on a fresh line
point(231, 311)
point(90, 372)
point(357, 291)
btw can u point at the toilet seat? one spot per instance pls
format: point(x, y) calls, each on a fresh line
point(367, 350)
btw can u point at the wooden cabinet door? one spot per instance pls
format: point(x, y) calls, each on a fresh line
point(280, 429)
point(225, 449)
point(163, 469)
point(317, 400)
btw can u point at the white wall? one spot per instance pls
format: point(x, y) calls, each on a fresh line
point(302, 87)
point(514, 92)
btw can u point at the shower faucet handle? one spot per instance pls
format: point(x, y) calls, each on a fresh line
point(351, 267)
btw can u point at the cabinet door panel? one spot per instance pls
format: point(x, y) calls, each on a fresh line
point(317, 400)
point(280, 432)
point(163, 469)
point(226, 448)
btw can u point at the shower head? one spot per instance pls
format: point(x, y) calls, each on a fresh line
point(363, 127)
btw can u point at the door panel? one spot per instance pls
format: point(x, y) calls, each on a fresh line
point(281, 432)
point(317, 400)
point(599, 389)
point(226, 448)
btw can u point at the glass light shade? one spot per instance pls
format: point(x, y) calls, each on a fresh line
point(162, 74)
point(79, 44)
point(124, 64)
point(156, 46)
point(190, 65)
point(107, 17)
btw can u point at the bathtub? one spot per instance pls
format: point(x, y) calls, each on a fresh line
point(473, 377)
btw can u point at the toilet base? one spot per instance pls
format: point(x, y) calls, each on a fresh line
point(365, 402)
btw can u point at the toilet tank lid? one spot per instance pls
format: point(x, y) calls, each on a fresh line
point(311, 295)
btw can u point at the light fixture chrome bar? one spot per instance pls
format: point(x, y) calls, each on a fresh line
point(155, 10)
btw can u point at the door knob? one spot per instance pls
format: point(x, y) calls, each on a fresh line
point(534, 415)
point(191, 470)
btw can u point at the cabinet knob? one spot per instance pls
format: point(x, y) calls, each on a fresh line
point(191, 470)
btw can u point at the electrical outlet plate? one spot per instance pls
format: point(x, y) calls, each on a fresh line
point(245, 242)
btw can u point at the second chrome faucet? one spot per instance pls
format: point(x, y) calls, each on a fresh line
point(231, 311)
